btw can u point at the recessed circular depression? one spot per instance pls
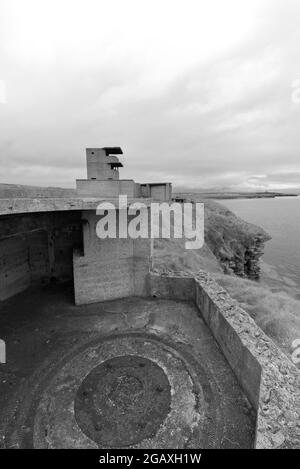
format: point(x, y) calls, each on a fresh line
point(122, 401)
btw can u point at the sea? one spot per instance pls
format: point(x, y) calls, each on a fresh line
point(280, 217)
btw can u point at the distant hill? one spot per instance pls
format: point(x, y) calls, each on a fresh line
point(8, 191)
point(219, 195)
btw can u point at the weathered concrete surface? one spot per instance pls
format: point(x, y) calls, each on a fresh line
point(98, 164)
point(31, 205)
point(52, 345)
point(40, 238)
point(110, 268)
point(126, 399)
point(105, 188)
point(160, 191)
point(269, 379)
point(37, 248)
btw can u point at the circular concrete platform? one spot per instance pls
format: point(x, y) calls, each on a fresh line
point(119, 392)
point(123, 401)
point(161, 384)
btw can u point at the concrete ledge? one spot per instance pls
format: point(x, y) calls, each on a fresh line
point(16, 206)
point(268, 378)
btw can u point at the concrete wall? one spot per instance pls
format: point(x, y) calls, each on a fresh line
point(105, 189)
point(38, 256)
point(24, 260)
point(160, 192)
point(14, 266)
point(245, 366)
point(36, 249)
point(109, 268)
point(97, 165)
point(176, 286)
point(267, 376)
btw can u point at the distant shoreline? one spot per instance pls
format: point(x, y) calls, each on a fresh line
point(233, 195)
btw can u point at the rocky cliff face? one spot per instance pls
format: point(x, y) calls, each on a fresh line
point(232, 246)
point(236, 244)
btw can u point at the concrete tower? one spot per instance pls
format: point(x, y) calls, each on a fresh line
point(102, 164)
point(103, 175)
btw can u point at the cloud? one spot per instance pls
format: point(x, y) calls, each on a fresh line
point(200, 99)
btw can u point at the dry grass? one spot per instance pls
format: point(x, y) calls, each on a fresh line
point(278, 314)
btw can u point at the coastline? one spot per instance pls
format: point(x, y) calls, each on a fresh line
point(233, 195)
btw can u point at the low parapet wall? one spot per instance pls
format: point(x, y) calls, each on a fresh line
point(270, 381)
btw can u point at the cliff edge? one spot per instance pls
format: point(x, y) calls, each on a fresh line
point(236, 244)
point(232, 246)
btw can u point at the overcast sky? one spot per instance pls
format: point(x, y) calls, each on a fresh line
point(196, 92)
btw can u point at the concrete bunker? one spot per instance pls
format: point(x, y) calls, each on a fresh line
point(124, 309)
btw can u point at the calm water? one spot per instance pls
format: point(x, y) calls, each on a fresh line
point(280, 217)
